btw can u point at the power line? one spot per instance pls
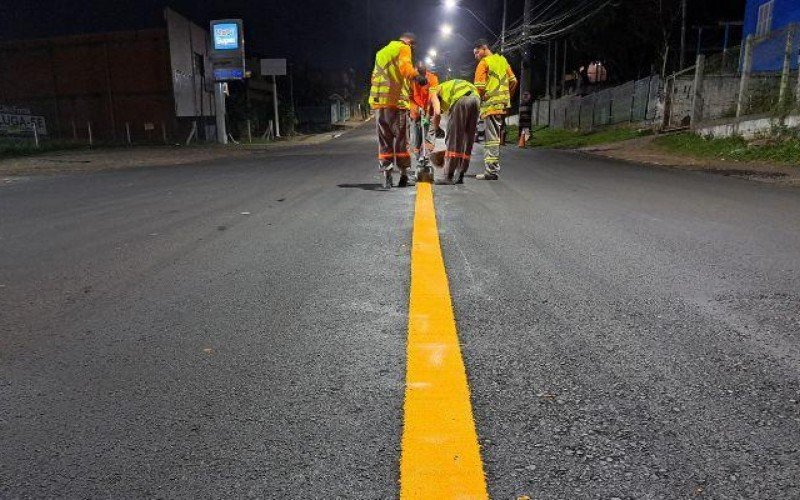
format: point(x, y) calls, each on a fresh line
point(546, 23)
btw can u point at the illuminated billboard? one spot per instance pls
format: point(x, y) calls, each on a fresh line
point(226, 36)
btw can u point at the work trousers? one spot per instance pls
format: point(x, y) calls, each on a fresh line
point(461, 126)
point(491, 146)
point(416, 137)
point(392, 138)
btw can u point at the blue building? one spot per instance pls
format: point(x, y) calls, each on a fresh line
point(767, 20)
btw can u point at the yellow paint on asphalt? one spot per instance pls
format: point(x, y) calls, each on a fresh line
point(440, 452)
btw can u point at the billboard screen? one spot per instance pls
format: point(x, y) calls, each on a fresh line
point(226, 36)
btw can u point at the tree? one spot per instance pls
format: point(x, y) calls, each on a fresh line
point(631, 37)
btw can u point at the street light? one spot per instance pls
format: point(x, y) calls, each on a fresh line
point(432, 52)
point(447, 30)
point(453, 4)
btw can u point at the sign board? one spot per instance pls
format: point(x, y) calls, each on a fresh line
point(226, 36)
point(228, 74)
point(273, 67)
point(20, 121)
point(227, 50)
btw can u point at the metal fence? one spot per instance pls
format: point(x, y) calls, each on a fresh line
point(340, 112)
point(632, 102)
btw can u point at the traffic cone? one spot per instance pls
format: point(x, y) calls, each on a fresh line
point(523, 138)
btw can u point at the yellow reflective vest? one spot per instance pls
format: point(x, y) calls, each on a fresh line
point(390, 89)
point(498, 92)
point(451, 91)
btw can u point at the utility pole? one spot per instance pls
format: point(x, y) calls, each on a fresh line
point(547, 75)
point(683, 35)
point(219, 100)
point(291, 96)
point(564, 71)
point(525, 66)
point(699, 40)
point(275, 102)
point(555, 69)
point(727, 40)
point(503, 29)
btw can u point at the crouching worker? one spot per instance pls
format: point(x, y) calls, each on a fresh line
point(461, 101)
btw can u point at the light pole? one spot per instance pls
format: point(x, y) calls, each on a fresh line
point(503, 31)
point(683, 35)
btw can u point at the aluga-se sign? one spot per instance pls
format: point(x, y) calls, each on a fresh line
point(15, 121)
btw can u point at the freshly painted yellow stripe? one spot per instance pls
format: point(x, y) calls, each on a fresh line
point(440, 452)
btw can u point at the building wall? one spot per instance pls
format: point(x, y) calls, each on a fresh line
point(769, 51)
point(191, 80)
point(107, 80)
point(786, 12)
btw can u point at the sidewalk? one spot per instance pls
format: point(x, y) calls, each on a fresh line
point(117, 158)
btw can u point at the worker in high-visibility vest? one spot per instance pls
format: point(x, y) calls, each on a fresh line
point(389, 98)
point(496, 83)
point(419, 106)
point(461, 100)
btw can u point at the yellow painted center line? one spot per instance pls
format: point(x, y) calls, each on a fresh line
point(440, 452)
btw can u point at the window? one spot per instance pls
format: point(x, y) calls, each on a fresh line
point(765, 18)
point(199, 65)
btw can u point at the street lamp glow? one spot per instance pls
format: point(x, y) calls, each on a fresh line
point(432, 52)
point(450, 4)
point(446, 30)
point(429, 61)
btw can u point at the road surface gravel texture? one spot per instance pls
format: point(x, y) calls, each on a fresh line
point(238, 328)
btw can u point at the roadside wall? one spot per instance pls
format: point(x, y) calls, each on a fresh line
point(631, 102)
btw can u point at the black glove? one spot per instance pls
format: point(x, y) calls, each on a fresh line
point(439, 133)
point(421, 80)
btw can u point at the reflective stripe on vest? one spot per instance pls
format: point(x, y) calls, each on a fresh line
point(451, 91)
point(498, 94)
point(389, 88)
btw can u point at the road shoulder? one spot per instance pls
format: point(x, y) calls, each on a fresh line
point(120, 158)
point(643, 151)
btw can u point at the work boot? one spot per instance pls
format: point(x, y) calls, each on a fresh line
point(403, 182)
point(459, 178)
point(487, 176)
point(387, 179)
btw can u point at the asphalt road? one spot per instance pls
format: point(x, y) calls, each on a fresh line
point(238, 329)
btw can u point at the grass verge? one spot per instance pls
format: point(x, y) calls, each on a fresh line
point(14, 148)
point(783, 150)
point(563, 139)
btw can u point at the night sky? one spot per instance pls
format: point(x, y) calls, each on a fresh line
point(333, 34)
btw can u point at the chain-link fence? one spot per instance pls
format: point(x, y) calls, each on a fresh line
point(757, 80)
point(631, 102)
point(769, 72)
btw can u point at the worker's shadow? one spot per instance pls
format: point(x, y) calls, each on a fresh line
point(364, 186)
